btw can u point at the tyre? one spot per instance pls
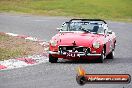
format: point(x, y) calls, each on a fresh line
point(52, 59)
point(111, 55)
point(102, 57)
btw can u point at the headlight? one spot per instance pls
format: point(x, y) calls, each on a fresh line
point(96, 45)
point(53, 43)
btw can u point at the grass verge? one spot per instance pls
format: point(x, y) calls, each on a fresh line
point(11, 47)
point(119, 10)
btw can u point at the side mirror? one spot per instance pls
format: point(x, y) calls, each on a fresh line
point(109, 32)
point(59, 29)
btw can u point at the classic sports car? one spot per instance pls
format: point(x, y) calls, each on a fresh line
point(83, 39)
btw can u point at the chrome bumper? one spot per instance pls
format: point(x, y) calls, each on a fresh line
point(80, 53)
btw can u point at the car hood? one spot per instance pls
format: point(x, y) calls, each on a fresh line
point(78, 39)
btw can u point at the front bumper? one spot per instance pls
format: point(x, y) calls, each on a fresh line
point(79, 54)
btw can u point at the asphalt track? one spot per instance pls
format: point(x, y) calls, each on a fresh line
point(62, 74)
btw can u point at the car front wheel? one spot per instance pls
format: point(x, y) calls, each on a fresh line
point(102, 57)
point(111, 55)
point(52, 59)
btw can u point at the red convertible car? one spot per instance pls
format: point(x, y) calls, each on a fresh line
point(83, 39)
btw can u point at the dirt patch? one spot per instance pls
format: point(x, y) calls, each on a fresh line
point(11, 47)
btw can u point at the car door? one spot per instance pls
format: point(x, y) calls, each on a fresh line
point(108, 42)
point(111, 41)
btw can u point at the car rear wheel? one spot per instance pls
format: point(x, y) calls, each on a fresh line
point(102, 57)
point(52, 59)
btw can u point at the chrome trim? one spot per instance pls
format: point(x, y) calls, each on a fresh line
point(51, 52)
point(71, 45)
point(75, 46)
point(93, 54)
point(80, 53)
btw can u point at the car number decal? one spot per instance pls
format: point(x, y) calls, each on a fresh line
point(71, 54)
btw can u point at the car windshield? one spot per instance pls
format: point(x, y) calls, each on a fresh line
point(85, 26)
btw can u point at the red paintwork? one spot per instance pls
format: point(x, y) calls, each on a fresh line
point(83, 39)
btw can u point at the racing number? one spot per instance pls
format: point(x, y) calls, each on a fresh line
point(70, 54)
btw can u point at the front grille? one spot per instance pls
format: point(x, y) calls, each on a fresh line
point(74, 49)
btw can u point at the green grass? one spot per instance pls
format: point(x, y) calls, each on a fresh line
point(3, 38)
point(105, 9)
point(12, 47)
point(5, 51)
